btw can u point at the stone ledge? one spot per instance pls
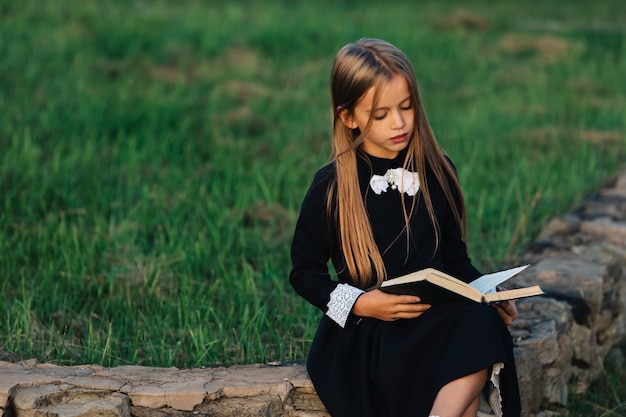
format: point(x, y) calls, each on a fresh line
point(564, 337)
point(32, 389)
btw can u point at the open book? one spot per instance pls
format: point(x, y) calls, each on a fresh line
point(434, 286)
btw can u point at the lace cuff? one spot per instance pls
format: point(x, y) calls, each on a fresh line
point(341, 301)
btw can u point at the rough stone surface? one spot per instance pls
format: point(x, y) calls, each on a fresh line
point(54, 400)
point(33, 390)
point(560, 338)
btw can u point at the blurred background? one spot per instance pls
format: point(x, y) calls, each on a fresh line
point(153, 156)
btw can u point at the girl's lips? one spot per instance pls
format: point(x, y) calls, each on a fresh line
point(399, 138)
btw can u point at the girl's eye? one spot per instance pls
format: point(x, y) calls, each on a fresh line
point(379, 116)
point(407, 107)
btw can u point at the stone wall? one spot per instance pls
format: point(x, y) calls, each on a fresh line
point(562, 341)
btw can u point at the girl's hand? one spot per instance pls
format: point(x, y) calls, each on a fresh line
point(388, 307)
point(507, 311)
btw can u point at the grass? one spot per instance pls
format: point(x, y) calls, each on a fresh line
point(155, 155)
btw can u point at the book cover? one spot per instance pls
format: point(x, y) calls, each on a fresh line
point(434, 286)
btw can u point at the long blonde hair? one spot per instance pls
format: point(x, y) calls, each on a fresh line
point(358, 67)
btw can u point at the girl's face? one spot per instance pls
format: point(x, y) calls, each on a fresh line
point(392, 119)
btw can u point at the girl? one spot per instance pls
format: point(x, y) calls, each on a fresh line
point(387, 204)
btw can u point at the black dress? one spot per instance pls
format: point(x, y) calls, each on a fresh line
point(374, 368)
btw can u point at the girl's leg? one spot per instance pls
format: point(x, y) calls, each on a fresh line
point(460, 398)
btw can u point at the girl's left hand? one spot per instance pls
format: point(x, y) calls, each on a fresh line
point(507, 310)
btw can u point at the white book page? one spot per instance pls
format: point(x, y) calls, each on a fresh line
point(488, 282)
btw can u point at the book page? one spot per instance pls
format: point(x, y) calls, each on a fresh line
point(489, 281)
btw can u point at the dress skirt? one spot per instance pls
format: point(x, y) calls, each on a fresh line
point(373, 368)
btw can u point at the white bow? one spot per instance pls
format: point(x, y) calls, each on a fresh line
point(398, 178)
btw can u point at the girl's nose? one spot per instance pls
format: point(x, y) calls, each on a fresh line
point(397, 120)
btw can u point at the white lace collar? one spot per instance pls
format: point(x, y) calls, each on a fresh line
point(398, 179)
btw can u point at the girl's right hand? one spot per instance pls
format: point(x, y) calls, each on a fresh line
point(388, 307)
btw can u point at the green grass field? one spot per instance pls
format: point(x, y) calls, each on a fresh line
point(154, 156)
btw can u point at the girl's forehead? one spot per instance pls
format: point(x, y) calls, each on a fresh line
point(387, 93)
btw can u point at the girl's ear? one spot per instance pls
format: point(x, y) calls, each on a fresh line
point(347, 119)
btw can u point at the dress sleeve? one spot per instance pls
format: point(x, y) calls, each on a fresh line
point(311, 251)
point(454, 249)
